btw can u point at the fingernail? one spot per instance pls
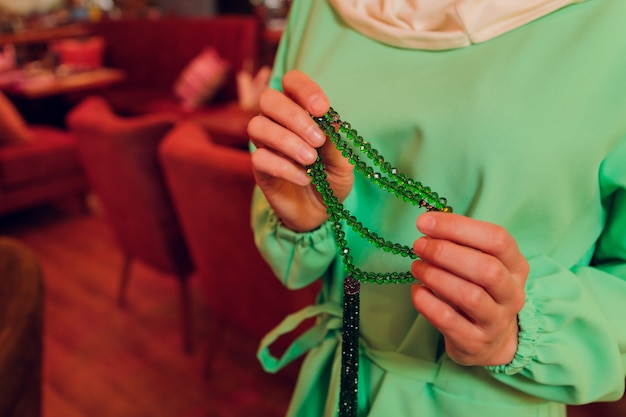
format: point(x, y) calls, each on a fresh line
point(302, 179)
point(315, 136)
point(419, 245)
point(306, 154)
point(317, 105)
point(425, 223)
point(415, 288)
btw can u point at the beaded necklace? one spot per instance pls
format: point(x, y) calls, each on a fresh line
point(385, 176)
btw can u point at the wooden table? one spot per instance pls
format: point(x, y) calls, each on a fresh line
point(50, 84)
point(44, 35)
point(47, 97)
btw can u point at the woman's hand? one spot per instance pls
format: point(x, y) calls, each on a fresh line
point(287, 138)
point(472, 279)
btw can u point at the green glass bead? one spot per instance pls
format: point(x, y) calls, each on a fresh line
point(398, 184)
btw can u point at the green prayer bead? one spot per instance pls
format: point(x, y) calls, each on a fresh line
point(396, 183)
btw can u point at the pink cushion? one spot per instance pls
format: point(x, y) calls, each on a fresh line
point(52, 153)
point(80, 53)
point(200, 81)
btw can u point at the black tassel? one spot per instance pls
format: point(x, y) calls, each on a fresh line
point(348, 392)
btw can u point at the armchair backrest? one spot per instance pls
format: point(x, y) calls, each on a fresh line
point(212, 187)
point(121, 162)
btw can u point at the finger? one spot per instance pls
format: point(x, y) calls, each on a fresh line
point(442, 315)
point(268, 166)
point(483, 236)
point(306, 92)
point(467, 263)
point(286, 112)
point(470, 299)
point(264, 133)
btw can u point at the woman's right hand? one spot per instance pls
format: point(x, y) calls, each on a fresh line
point(287, 139)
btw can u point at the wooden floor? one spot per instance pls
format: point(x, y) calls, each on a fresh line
point(102, 361)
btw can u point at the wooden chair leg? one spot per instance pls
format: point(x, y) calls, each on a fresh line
point(121, 295)
point(216, 335)
point(186, 315)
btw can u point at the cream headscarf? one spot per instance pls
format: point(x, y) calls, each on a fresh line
point(441, 24)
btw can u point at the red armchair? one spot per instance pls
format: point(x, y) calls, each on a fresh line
point(120, 158)
point(38, 164)
point(211, 185)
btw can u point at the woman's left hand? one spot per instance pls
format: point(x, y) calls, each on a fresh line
point(472, 279)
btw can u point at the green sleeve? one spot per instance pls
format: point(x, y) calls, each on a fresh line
point(572, 342)
point(297, 259)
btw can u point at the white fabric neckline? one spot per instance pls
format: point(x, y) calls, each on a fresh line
point(441, 24)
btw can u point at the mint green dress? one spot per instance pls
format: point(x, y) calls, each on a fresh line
point(527, 131)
